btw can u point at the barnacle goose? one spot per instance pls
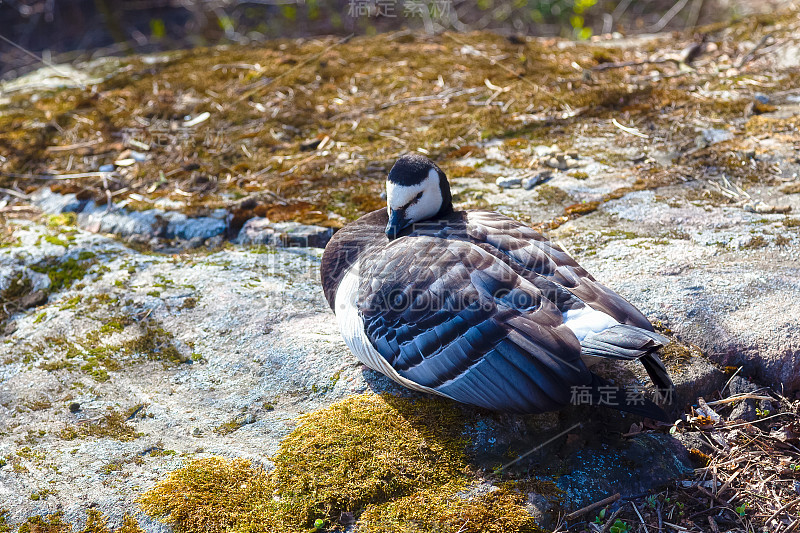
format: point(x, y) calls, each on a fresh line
point(477, 307)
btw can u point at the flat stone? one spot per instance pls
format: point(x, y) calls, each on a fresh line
point(508, 182)
point(260, 230)
point(33, 299)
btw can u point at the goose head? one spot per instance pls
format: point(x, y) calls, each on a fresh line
point(416, 190)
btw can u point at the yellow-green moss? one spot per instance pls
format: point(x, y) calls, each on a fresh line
point(381, 458)
point(61, 220)
point(52, 239)
point(96, 522)
point(63, 274)
point(113, 424)
point(53, 523)
point(4, 525)
point(499, 511)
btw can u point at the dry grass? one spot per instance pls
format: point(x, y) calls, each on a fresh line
point(306, 130)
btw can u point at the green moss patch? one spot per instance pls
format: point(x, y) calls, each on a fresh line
point(113, 424)
point(63, 274)
point(392, 464)
point(96, 522)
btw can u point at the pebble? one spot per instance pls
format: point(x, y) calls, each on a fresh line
point(532, 181)
point(713, 136)
point(106, 168)
point(508, 182)
point(74, 407)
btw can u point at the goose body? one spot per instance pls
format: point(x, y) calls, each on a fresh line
point(478, 307)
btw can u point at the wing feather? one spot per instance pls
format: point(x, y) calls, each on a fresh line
point(480, 334)
point(536, 256)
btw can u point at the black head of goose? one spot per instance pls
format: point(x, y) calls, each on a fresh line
point(477, 307)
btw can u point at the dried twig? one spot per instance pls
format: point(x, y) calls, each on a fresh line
point(596, 505)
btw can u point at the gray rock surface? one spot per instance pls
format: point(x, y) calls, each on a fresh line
point(260, 230)
point(200, 355)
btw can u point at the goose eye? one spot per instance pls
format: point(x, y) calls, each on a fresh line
point(413, 200)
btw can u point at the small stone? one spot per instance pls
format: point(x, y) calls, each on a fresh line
point(761, 97)
point(10, 328)
point(33, 299)
point(74, 407)
point(106, 168)
point(746, 410)
point(195, 242)
point(243, 420)
point(532, 181)
point(713, 136)
point(138, 156)
point(508, 182)
point(556, 163)
point(214, 242)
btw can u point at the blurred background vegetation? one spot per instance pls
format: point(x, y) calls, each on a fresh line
point(67, 30)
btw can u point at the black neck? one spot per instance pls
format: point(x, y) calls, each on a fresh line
point(447, 198)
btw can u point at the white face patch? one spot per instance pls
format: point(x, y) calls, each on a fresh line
point(398, 197)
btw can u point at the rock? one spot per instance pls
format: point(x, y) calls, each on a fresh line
point(508, 182)
point(744, 410)
point(245, 419)
point(179, 226)
point(713, 136)
point(9, 328)
point(701, 282)
point(33, 299)
point(264, 345)
point(119, 221)
point(195, 242)
point(632, 468)
point(284, 234)
point(532, 181)
point(740, 385)
point(560, 164)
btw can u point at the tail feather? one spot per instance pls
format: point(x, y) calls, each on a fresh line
point(629, 343)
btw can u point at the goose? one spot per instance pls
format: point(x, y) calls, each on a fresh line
point(478, 307)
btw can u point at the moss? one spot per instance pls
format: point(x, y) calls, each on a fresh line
point(581, 209)
point(96, 522)
point(579, 175)
point(71, 303)
point(156, 344)
point(62, 220)
point(5, 527)
point(228, 427)
point(18, 286)
point(379, 458)
point(552, 195)
point(677, 355)
point(499, 511)
point(113, 424)
point(755, 242)
point(63, 274)
point(53, 523)
point(52, 239)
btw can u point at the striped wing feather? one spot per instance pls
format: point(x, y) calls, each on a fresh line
point(448, 315)
point(538, 256)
